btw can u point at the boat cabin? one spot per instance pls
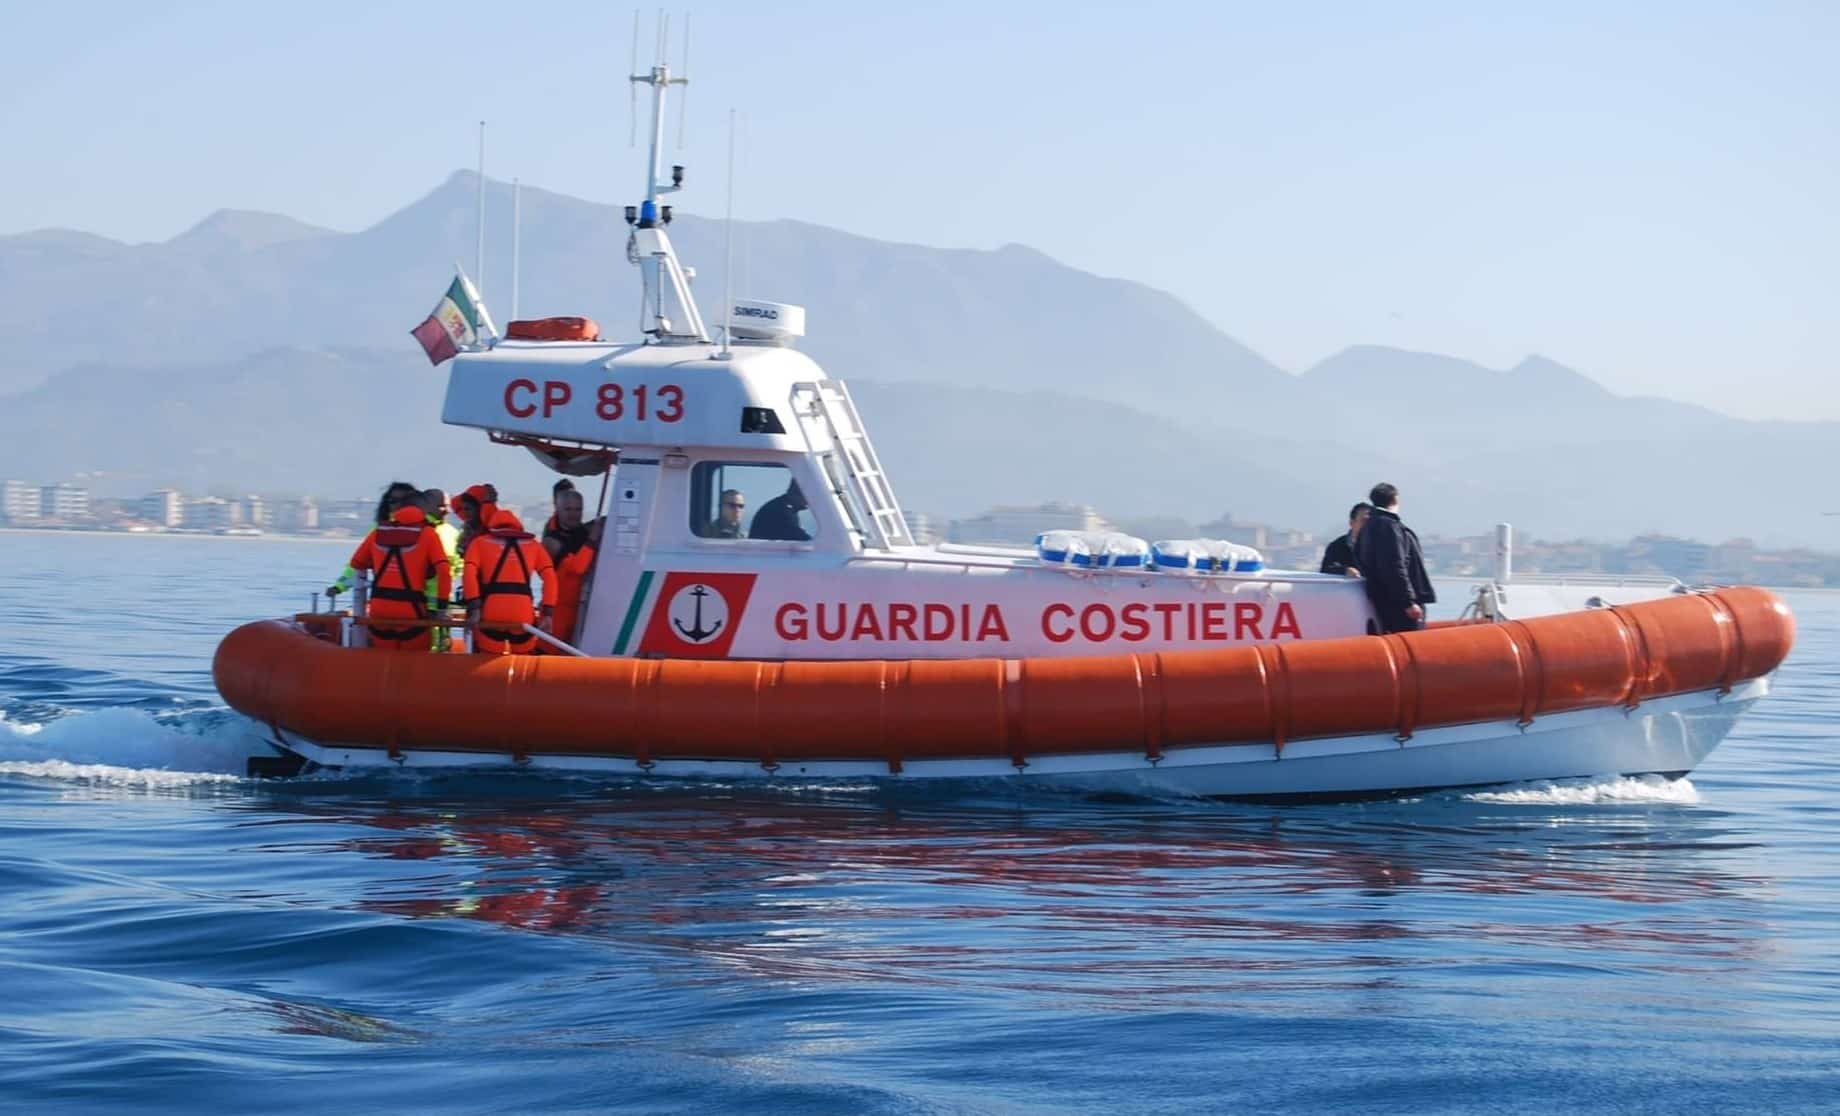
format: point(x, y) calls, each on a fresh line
point(748, 516)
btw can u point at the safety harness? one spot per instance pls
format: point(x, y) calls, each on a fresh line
point(497, 586)
point(394, 540)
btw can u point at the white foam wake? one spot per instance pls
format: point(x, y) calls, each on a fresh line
point(1592, 792)
point(126, 747)
point(142, 778)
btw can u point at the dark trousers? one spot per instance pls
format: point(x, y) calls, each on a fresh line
point(1393, 618)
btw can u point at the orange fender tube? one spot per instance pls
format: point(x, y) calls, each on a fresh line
point(892, 711)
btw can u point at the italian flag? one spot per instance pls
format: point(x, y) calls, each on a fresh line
point(456, 322)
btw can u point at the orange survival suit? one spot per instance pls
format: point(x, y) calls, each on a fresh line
point(572, 571)
point(500, 565)
point(483, 497)
point(403, 556)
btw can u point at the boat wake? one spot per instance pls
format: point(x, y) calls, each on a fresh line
point(1619, 790)
point(130, 748)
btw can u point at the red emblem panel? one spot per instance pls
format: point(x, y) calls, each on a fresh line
point(697, 615)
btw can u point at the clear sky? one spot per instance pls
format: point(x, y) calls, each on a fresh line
point(1646, 191)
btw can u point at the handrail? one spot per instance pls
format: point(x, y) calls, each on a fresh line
point(449, 622)
point(410, 622)
point(556, 643)
point(1585, 578)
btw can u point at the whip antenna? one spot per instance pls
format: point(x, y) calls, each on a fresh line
point(683, 98)
point(517, 228)
point(632, 100)
point(479, 255)
point(728, 244)
point(747, 237)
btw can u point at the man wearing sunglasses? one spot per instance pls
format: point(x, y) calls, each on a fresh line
point(727, 523)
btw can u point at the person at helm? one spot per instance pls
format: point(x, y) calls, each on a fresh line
point(778, 518)
point(727, 523)
point(403, 556)
point(501, 566)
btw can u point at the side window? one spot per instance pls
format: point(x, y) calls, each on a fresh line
point(748, 500)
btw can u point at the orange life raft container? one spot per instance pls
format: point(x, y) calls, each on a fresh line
point(891, 711)
point(553, 329)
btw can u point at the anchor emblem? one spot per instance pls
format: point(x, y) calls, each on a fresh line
point(698, 615)
point(694, 596)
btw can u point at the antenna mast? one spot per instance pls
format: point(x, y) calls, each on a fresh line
point(479, 255)
point(517, 229)
point(683, 102)
point(648, 246)
point(728, 245)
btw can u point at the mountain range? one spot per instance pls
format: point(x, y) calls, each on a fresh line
point(255, 352)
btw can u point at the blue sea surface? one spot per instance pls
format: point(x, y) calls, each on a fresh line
point(176, 938)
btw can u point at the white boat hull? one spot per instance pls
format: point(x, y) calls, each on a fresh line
point(1668, 736)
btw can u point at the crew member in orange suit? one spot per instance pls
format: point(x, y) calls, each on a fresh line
point(572, 571)
point(501, 566)
point(475, 507)
point(403, 555)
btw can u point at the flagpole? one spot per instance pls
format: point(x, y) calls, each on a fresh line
point(517, 226)
point(479, 254)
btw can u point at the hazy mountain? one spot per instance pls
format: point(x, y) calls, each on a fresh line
point(1454, 407)
point(233, 231)
point(256, 352)
point(957, 451)
point(326, 421)
point(344, 421)
point(241, 282)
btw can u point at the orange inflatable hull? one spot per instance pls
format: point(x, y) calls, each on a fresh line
point(897, 711)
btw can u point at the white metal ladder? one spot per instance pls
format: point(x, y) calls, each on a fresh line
point(830, 403)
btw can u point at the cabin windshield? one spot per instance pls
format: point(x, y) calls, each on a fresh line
point(748, 500)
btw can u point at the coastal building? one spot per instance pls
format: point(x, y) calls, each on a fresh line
point(921, 526)
point(19, 502)
point(213, 513)
point(1682, 558)
point(1246, 534)
point(295, 517)
point(1018, 526)
point(163, 508)
point(63, 502)
point(255, 511)
point(352, 516)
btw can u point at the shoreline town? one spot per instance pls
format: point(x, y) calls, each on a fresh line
point(170, 512)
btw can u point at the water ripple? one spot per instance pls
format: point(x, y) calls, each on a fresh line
point(175, 936)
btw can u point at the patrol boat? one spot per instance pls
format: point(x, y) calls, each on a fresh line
point(818, 641)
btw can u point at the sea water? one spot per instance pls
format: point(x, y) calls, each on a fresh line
point(176, 938)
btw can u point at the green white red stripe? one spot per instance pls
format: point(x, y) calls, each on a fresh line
point(457, 321)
